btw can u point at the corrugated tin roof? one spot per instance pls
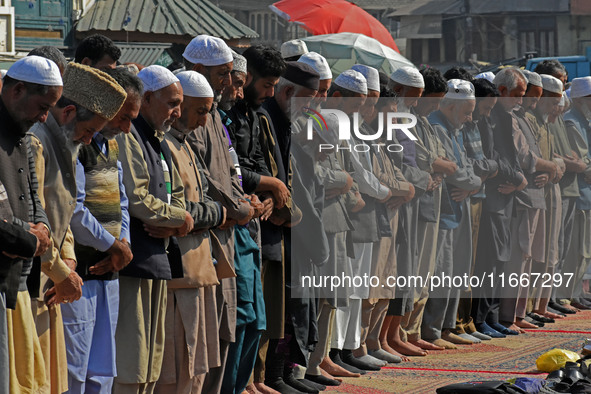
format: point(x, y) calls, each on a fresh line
point(425, 7)
point(145, 53)
point(512, 6)
point(179, 17)
point(380, 4)
point(244, 5)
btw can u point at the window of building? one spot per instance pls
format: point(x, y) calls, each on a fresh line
point(265, 23)
point(537, 34)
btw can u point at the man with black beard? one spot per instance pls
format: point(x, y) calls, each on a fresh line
point(264, 67)
point(211, 57)
point(408, 85)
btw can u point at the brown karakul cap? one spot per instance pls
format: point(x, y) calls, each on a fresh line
point(93, 89)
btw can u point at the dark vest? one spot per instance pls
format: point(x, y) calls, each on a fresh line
point(271, 117)
point(149, 254)
point(504, 153)
point(102, 200)
point(16, 176)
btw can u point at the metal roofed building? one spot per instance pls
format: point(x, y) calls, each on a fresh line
point(162, 21)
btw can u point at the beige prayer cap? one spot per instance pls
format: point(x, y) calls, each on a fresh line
point(194, 84)
point(93, 89)
point(408, 76)
point(489, 76)
point(293, 48)
point(551, 84)
point(459, 89)
point(352, 80)
point(371, 75)
point(36, 69)
point(208, 50)
point(580, 87)
point(533, 78)
point(318, 63)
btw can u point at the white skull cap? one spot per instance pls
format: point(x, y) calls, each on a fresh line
point(36, 69)
point(239, 62)
point(352, 80)
point(408, 76)
point(580, 87)
point(489, 76)
point(533, 78)
point(371, 75)
point(460, 90)
point(194, 84)
point(156, 77)
point(208, 50)
point(293, 48)
point(318, 63)
point(551, 83)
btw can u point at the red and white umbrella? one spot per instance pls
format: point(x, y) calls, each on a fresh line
point(333, 16)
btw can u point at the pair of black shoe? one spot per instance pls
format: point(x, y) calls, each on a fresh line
point(540, 318)
point(534, 322)
point(288, 384)
point(345, 359)
point(571, 374)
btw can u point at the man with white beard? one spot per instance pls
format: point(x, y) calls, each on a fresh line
point(156, 198)
point(454, 224)
point(578, 132)
point(100, 226)
point(89, 100)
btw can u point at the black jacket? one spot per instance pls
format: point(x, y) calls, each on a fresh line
point(244, 133)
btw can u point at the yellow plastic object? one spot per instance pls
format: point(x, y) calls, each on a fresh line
point(555, 359)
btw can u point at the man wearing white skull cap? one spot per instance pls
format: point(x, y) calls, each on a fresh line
point(408, 85)
point(533, 91)
point(319, 63)
point(546, 240)
point(430, 157)
point(292, 50)
point(365, 235)
point(235, 91)
point(530, 207)
point(566, 150)
point(352, 81)
point(352, 87)
point(211, 57)
point(158, 213)
point(192, 335)
point(579, 133)
point(213, 148)
point(22, 103)
point(454, 224)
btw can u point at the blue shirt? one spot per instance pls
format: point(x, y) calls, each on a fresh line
point(464, 177)
point(86, 229)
